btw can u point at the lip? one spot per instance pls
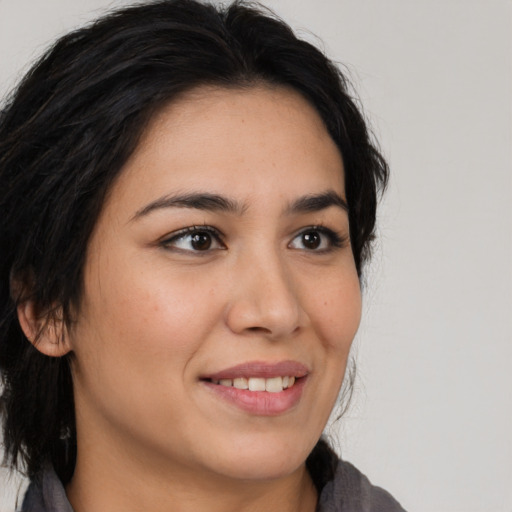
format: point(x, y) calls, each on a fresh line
point(260, 403)
point(261, 369)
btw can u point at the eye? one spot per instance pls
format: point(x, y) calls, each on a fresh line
point(194, 239)
point(318, 239)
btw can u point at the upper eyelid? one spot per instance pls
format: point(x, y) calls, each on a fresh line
point(221, 237)
point(312, 227)
point(337, 238)
point(189, 230)
point(317, 227)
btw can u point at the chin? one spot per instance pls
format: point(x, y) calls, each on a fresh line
point(264, 460)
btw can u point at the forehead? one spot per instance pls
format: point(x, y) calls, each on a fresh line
point(247, 141)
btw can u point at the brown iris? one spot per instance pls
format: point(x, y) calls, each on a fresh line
point(201, 241)
point(311, 239)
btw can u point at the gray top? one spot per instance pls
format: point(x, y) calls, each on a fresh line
point(349, 491)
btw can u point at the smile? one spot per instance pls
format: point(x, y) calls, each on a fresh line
point(271, 385)
point(260, 388)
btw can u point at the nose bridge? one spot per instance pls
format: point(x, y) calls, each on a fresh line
point(264, 295)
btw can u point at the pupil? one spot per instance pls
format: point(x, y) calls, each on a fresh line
point(311, 240)
point(201, 241)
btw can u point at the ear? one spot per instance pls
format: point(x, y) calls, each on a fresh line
point(47, 332)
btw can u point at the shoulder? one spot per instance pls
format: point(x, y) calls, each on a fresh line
point(351, 491)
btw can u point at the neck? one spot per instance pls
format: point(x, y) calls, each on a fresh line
point(116, 484)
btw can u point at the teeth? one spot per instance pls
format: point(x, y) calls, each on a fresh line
point(240, 383)
point(274, 385)
point(271, 385)
point(256, 384)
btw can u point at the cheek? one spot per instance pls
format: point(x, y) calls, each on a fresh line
point(335, 313)
point(138, 333)
point(338, 313)
point(141, 325)
point(155, 304)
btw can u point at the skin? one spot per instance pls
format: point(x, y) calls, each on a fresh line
point(157, 314)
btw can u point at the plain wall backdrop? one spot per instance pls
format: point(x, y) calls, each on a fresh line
point(432, 414)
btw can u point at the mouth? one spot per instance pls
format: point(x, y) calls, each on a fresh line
point(270, 385)
point(263, 389)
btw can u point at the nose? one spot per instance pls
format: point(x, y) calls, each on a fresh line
point(265, 299)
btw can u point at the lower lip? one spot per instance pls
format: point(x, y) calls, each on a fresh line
point(261, 403)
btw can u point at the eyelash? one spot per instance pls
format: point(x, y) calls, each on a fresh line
point(193, 230)
point(335, 240)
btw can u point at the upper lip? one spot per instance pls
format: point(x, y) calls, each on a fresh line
point(261, 369)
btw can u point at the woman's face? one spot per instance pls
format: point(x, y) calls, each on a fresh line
point(221, 261)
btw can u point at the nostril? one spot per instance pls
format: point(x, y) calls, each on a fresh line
point(259, 330)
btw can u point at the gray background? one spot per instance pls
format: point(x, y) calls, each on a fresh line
point(432, 415)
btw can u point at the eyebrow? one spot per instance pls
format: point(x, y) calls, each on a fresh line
point(197, 201)
point(219, 203)
point(317, 202)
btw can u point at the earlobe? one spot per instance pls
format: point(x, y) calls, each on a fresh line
point(46, 332)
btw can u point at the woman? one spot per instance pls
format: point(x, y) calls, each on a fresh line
point(190, 198)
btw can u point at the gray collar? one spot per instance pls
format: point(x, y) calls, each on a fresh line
point(46, 494)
